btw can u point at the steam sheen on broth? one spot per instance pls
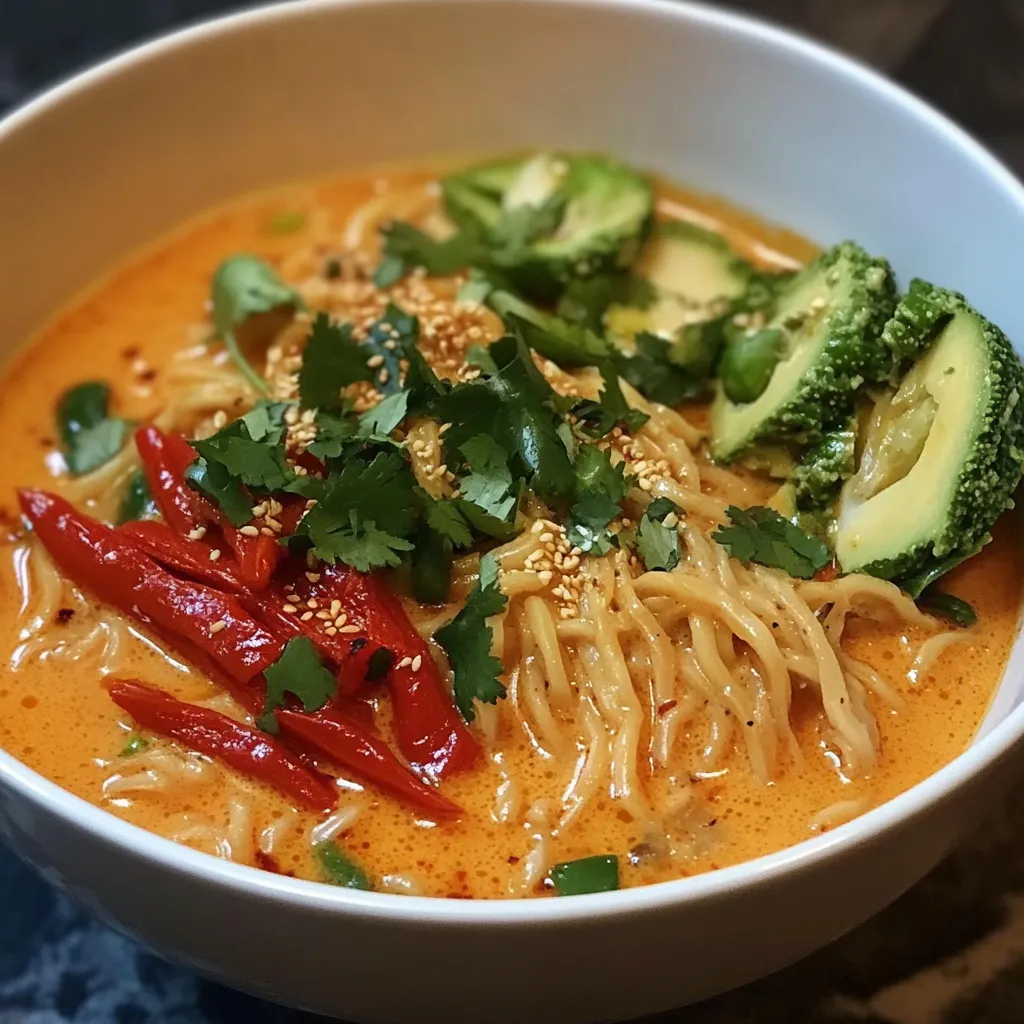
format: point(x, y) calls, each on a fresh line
point(669, 699)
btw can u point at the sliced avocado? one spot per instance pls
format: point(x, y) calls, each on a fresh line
point(831, 316)
point(942, 454)
point(550, 218)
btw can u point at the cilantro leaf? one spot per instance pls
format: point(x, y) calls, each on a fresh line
point(385, 415)
point(249, 462)
point(366, 514)
point(611, 408)
point(137, 502)
point(332, 360)
point(586, 299)
point(404, 247)
point(442, 515)
point(656, 543)
point(467, 642)
point(562, 342)
point(587, 528)
point(333, 431)
point(244, 286)
point(595, 474)
point(89, 436)
point(224, 490)
point(656, 377)
point(300, 673)
point(489, 483)
point(389, 338)
point(761, 535)
point(265, 421)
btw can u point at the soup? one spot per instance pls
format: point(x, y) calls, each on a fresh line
point(529, 529)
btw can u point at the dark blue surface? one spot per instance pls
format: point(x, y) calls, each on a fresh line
point(58, 965)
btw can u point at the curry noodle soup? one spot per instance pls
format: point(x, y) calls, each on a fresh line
point(527, 529)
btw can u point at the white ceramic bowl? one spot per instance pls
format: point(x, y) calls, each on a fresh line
point(114, 157)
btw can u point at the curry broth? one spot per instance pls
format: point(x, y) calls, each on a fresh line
point(57, 718)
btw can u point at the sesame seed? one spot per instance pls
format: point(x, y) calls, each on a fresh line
point(546, 538)
point(341, 620)
point(323, 616)
point(274, 525)
point(645, 484)
point(259, 510)
point(417, 662)
point(214, 554)
point(306, 616)
point(405, 662)
point(545, 576)
point(313, 577)
point(266, 531)
point(218, 626)
point(249, 531)
point(348, 629)
point(197, 534)
point(331, 631)
point(311, 603)
point(374, 361)
point(293, 597)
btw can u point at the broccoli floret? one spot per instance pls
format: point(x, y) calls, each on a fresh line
point(831, 317)
point(821, 472)
point(942, 454)
point(551, 218)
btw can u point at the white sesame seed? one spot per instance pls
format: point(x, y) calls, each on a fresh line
point(218, 626)
point(311, 603)
point(545, 576)
point(374, 361)
point(290, 608)
point(331, 631)
point(214, 554)
point(348, 629)
point(249, 531)
point(417, 662)
point(306, 616)
point(197, 534)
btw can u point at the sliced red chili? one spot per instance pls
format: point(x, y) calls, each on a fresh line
point(188, 557)
point(247, 750)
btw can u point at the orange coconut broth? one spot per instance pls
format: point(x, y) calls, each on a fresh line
point(56, 717)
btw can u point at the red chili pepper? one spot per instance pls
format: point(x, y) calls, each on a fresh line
point(165, 458)
point(330, 732)
point(188, 557)
point(827, 573)
point(242, 747)
point(111, 566)
point(430, 732)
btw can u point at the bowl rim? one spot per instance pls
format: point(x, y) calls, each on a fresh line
point(984, 751)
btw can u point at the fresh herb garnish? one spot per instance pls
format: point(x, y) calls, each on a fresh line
point(365, 514)
point(404, 247)
point(213, 480)
point(590, 874)
point(946, 606)
point(255, 464)
point(385, 416)
point(658, 543)
point(300, 673)
point(467, 642)
point(567, 344)
point(489, 482)
point(332, 360)
point(611, 408)
point(761, 535)
point(89, 436)
point(245, 286)
point(135, 744)
point(137, 502)
point(600, 489)
point(653, 373)
point(388, 339)
point(587, 299)
point(339, 869)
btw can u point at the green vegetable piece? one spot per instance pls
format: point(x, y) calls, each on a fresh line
point(761, 535)
point(287, 222)
point(404, 247)
point(89, 436)
point(489, 482)
point(656, 543)
point(564, 343)
point(942, 455)
point(587, 875)
point(586, 300)
point(339, 869)
point(948, 607)
point(214, 480)
point(137, 502)
point(748, 363)
point(332, 360)
point(432, 567)
point(385, 416)
point(551, 218)
point(300, 673)
point(600, 489)
point(135, 744)
point(821, 472)
point(365, 514)
point(652, 371)
point(245, 286)
point(831, 317)
point(467, 642)
point(253, 463)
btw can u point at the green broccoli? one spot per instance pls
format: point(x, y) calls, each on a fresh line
point(552, 218)
point(942, 454)
point(830, 316)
